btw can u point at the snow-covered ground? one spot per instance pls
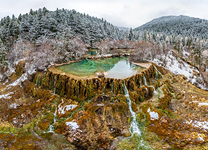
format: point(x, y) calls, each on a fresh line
point(6, 96)
point(201, 103)
point(19, 80)
point(63, 109)
point(73, 125)
point(178, 66)
point(13, 105)
point(199, 124)
point(185, 53)
point(153, 115)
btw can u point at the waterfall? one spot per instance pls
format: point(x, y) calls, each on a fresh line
point(157, 73)
point(37, 81)
point(134, 125)
point(112, 88)
point(145, 81)
point(51, 127)
point(154, 91)
point(134, 129)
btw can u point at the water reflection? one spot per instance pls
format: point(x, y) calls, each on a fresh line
point(122, 70)
point(118, 68)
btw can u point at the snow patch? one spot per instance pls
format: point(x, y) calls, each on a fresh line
point(6, 82)
point(31, 71)
point(200, 138)
point(185, 53)
point(6, 96)
point(1, 76)
point(72, 125)
point(201, 103)
point(13, 105)
point(199, 124)
point(100, 105)
point(16, 62)
point(22, 115)
point(153, 115)
point(19, 80)
point(11, 69)
point(62, 109)
point(176, 67)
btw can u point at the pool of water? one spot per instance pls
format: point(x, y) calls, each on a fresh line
point(118, 68)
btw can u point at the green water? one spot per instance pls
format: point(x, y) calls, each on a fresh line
point(118, 68)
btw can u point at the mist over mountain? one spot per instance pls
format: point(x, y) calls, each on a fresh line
point(179, 25)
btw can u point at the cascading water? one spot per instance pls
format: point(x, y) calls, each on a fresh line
point(112, 88)
point(134, 129)
point(145, 82)
point(51, 127)
point(134, 125)
point(36, 82)
point(154, 91)
point(157, 73)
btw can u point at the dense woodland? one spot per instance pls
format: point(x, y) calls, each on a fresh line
point(44, 37)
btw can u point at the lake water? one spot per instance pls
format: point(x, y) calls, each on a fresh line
point(119, 68)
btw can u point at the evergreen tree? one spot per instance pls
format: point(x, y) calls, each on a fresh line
point(3, 62)
point(131, 35)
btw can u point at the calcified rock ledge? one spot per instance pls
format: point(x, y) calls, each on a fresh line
point(107, 116)
point(75, 88)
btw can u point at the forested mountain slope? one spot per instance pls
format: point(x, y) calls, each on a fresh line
point(179, 25)
point(56, 24)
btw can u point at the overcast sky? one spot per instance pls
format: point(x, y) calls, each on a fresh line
point(123, 13)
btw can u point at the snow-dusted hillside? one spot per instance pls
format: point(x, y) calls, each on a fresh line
point(178, 66)
point(178, 25)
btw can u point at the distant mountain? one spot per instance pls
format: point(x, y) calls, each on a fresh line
point(179, 25)
point(123, 28)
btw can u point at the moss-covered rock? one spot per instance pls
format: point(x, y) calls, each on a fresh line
point(20, 68)
point(101, 121)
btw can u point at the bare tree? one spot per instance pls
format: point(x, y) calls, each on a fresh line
point(76, 47)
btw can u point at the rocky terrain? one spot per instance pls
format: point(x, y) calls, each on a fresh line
point(50, 110)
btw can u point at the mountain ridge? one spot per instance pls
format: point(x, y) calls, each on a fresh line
point(181, 25)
